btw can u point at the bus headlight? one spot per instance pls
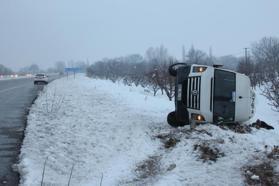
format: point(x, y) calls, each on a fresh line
point(197, 117)
point(199, 69)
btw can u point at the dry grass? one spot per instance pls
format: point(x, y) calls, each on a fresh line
point(264, 172)
point(148, 168)
point(208, 153)
point(169, 140)
point(274, 154)
point(237, 128)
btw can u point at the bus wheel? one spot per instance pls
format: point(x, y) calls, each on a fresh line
point(172, 71)
point(173, 121)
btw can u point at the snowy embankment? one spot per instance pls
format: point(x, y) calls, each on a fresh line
point(118, 135)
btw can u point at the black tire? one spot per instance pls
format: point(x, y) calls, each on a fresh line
point(172, 71)
point(172, 121)
point(173, 68)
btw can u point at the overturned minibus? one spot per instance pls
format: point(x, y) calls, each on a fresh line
point(210, 94)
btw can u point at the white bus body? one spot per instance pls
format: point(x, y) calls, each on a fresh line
point(209, 94)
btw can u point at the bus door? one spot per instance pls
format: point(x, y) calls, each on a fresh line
point(224, 96)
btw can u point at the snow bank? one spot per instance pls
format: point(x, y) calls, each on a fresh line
point(109, 129)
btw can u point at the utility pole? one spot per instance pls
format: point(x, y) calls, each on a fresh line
point(183, 54)
point(246, 55)
point(210, 56)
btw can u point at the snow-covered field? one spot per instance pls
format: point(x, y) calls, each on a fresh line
point(117, 135)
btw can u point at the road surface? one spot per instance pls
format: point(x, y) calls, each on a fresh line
point(16, 97)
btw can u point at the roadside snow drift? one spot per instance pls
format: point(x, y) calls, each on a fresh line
point(112, 134)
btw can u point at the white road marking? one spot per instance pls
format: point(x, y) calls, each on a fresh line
point(12, 88)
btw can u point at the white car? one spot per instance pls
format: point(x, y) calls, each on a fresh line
point(210, 94)
point(40, 79)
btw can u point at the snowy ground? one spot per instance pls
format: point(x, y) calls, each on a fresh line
point(111, 131)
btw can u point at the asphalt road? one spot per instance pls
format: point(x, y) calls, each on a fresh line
point(16, 97)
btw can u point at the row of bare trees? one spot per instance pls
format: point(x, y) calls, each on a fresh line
point(149, 72)
point(263, 68)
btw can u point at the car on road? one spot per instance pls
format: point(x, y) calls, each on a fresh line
point(40, 79)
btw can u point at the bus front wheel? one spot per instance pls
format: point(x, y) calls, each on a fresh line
point(172, 120)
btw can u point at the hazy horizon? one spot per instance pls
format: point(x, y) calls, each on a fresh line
point(43, 32)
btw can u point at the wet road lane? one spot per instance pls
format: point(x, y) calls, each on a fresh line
point(15, 98)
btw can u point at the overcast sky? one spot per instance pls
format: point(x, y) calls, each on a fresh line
point(45, 31)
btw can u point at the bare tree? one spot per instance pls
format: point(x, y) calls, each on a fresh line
point(60, 67)
point(196, 56)
point(247, 67)
point(166, 81)
point(266, 51)
point(271, 92)
point(266, 54)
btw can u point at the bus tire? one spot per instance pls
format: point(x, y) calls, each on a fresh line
point(172, 71)
point(172, 121)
